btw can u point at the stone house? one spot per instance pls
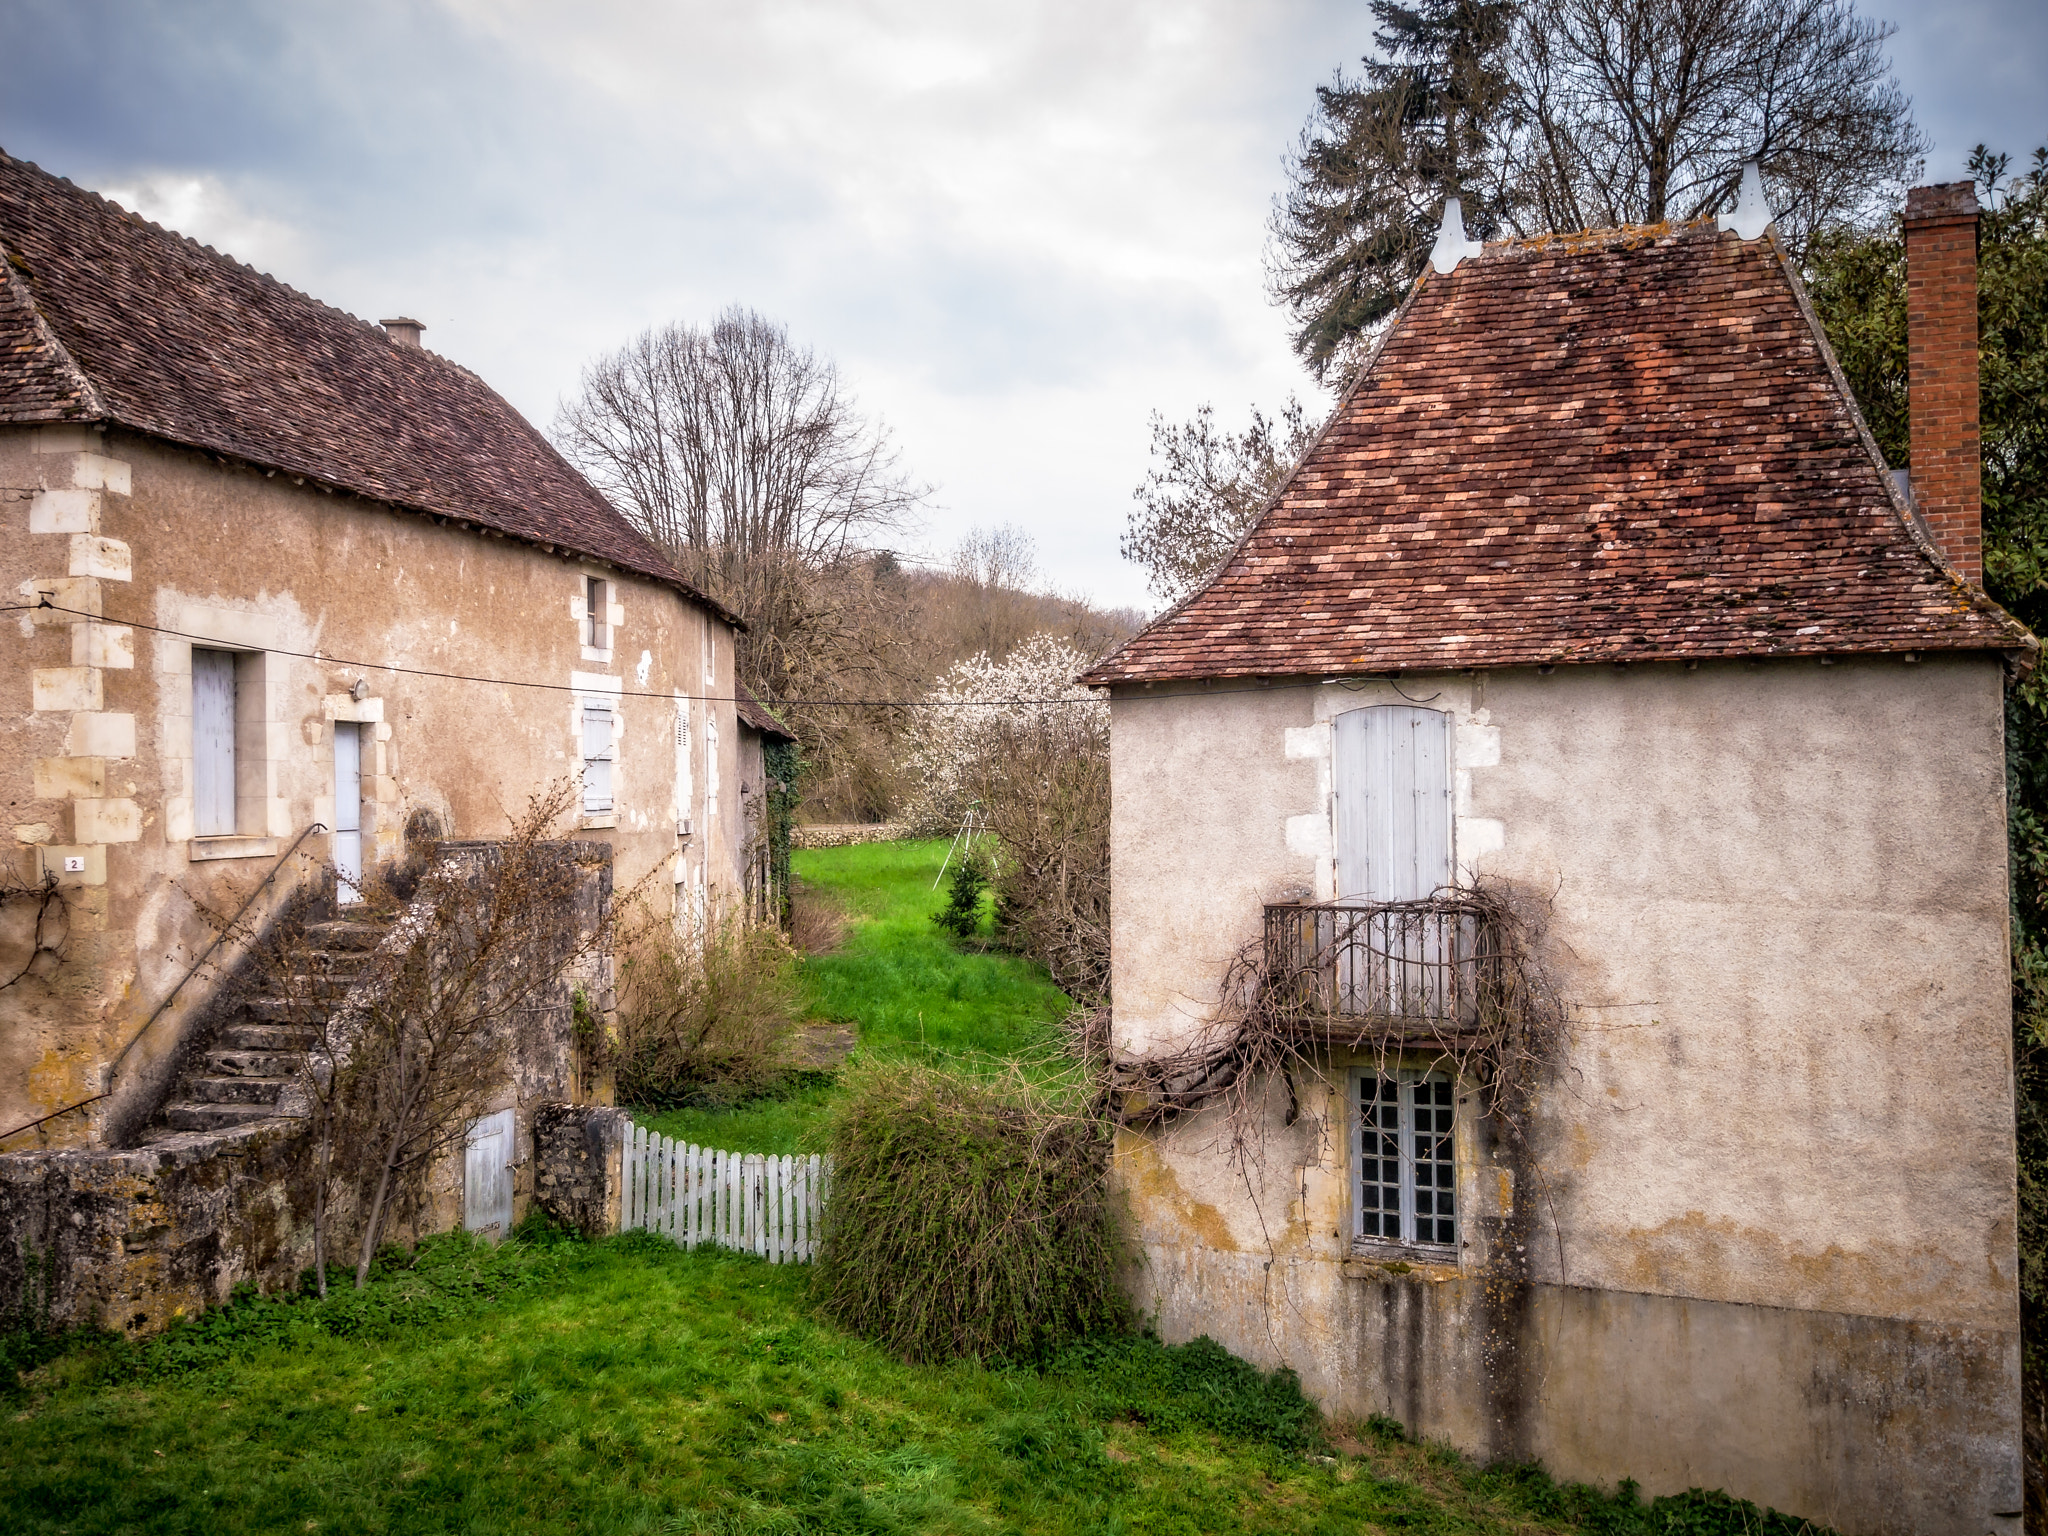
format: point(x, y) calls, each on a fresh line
point(1595, 606)
point(287, 591)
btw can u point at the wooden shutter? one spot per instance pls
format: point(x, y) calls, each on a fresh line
point(597, 757)
point(213, 743)
point(1392, 775)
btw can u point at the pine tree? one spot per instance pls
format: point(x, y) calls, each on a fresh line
point(1376, 160)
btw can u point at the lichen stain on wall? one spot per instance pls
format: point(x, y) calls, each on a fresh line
point(1158, 1200)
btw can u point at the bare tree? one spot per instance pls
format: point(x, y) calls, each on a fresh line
point(1639, 111)
point(743, 458)
point(1206, 486)
point(1561, 115)
point(412, 1041)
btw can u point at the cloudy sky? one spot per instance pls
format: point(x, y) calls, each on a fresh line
point(1019, 228)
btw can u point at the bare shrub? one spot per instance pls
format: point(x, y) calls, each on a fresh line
point(411, 1049)
point(704, 1017)
point(1043, 782)
point(817, 925)
point(967, 1218)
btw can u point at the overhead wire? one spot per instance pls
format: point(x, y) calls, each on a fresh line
point(622, 692)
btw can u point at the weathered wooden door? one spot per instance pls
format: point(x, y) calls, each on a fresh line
point(487, 1175)
point(1392, 779)
point(213, 743)
point(348, 811)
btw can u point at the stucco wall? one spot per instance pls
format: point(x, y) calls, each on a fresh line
point(1778, 900)
point(95, 741)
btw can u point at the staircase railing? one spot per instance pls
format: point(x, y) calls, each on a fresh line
point(169, 997)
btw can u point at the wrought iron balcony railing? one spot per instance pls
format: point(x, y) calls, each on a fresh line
point(1405, 967)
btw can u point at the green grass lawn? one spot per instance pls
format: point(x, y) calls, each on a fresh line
point(557, 1385)
point(905, 986)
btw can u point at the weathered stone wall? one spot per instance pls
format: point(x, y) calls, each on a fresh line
point(1769, 1204)
point(578, 1152)
point(136, 1238)
point(316, 593)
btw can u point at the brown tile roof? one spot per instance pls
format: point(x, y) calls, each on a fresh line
point(106, 317)
point(1624, 447)
point(749, 709)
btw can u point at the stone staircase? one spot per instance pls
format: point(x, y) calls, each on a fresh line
point(250, 1069)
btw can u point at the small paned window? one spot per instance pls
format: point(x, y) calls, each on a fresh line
point(597, 757)
point(596, 632)
point(1407, 1173)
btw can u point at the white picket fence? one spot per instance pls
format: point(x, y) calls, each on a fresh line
point(756, 1202)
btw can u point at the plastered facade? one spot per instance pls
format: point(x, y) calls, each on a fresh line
point(319, 594)
point(1762, 1233)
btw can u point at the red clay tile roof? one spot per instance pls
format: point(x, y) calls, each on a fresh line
point(104, 316)
point(1627, 447)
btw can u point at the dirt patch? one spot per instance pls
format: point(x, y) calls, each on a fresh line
point(821, 1047)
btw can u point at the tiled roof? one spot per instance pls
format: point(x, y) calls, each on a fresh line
point(107, 317)
point(1612, 448)
point(749, 709)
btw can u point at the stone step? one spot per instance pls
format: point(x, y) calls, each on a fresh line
point(214, 1117)
point(347, 934)
point(275, 1010)
point(234, 1063)
point(250, 1036)
point(234, 1090)
point(335, 962)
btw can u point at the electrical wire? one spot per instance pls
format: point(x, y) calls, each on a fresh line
point(624, 693)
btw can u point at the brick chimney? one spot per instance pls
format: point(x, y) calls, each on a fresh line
point(1941, 350)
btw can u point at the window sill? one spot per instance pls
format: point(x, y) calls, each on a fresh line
point(1399, 1261)
point(230, 848)
point(599, 821)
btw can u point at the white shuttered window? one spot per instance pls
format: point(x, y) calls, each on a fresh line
point(213, 743)
point(597, 757)
point(1393, 786)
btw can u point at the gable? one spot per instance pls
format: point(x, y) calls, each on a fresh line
point(1628, 448)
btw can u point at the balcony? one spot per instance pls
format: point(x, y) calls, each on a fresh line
point(1406, 969)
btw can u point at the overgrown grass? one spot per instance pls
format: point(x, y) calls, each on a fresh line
point(903, 982)
point(908, 989)
point(779, 1122)
point(627, 1386)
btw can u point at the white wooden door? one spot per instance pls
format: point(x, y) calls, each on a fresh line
point(487, 1175)
point(213, 743)
point(348, 811)
point(1392, 775)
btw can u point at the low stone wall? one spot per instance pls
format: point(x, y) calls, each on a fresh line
point(844, 833)
point(132, 1240)
point(578, 1161)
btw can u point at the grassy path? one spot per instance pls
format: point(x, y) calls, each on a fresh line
point(627, 1386)
point(904, 985)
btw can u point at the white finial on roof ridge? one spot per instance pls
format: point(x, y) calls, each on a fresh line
point(1752, 215)
point(1451, 245)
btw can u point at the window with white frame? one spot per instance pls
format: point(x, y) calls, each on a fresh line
point(213, 743)
point(597, 631)
point(1406, 1182)
point(597, 757)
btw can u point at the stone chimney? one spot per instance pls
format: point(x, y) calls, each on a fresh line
point(1941, 350)
point(407, 334)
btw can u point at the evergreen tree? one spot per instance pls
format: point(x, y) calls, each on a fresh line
point(1373, 165)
